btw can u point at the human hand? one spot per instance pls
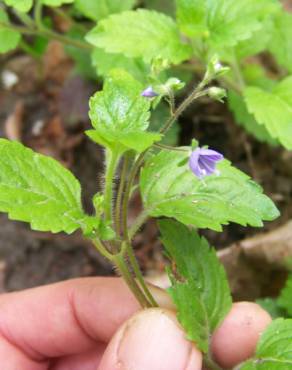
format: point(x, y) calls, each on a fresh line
point(93, 323)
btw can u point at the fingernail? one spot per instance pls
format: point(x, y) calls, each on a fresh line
point(153, 340)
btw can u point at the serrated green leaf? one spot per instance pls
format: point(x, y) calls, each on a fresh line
point(57, 2)
point(258, 41)
point(20, 5)
point(245, 119)
point(120, 115)
point(9, 38)
point(169, 188)
point(285, 298)
point(223, 23)
point(273, 109)
point(104, 62)
point(280, 42)
point(201, 294)
point(274, 350)
point(98, 9)
point(191, 17)
point(37, 189)
point(142, 34)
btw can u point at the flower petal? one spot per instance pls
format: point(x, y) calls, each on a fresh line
point(212, 154)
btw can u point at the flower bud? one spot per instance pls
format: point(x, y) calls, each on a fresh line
point(217, 93)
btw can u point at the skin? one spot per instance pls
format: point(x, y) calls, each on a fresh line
point(96, 323)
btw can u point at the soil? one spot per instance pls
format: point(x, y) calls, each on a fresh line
point(47, 110)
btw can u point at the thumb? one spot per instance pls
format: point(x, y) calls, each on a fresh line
point(151, 339)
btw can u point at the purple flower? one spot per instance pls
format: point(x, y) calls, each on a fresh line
point(149, 93)
point(203, 162)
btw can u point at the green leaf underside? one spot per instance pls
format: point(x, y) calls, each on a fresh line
point(37, 189)
point(285, 298)
point(203, 296)
point(280, 42)
point(57, 2)
point(273, 109)
point(104, 62)
point(169, 188)
point(245, 119)
point(98, 9)
point(20, 5)
point(9, 38)
point(274, 350)
point(142, 34)
point(120, 115)
point(223, 23)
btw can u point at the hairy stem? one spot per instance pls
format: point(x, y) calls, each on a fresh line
point(120, 194)
point(112, 160)
point(140, 220)
point(139, 276)
point(210, 364)
point(102, 249)
point(197, 93)
point(126, 274)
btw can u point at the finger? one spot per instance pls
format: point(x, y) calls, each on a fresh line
point(236, 339)
point(152, 339)
point(12, 358)
point(85, 361)
point(65, 318)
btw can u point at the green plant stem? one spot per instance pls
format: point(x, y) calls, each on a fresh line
point(24, 18)
point(132, 175)
point(121, 264)
point(140, 220)
point(102, 249)
point(119, 261)
point(237, 71)
point(210, 364)
point(197, 93)
point(172, 148)
point(120, 194)
point(139, 276)
point(49, 35)
point(112, 160)
point(38, 14)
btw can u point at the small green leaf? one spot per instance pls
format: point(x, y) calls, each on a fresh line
point(104, 62)
point(285, 298)
point(120, 115)
point(274, 350)
point(20, 5)
point(280, 42)
point(170, 189)
point(98, 9)
point(9, 38)
point(273, 109)
point(245, 119)
point(201, 292)
point(140, 34)
point(37, 189)
point(57, 2)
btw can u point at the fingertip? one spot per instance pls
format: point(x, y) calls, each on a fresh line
point(236, 338)
point(151, 339)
